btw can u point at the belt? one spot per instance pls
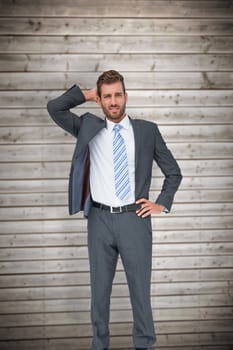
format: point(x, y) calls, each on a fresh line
point(117, 210)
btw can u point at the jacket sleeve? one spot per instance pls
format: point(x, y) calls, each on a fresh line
point(169, 168)
point(59, 109)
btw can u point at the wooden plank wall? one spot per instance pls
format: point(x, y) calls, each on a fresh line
point(177, 58)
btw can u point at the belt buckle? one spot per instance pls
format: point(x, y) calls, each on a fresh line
point(115, 210)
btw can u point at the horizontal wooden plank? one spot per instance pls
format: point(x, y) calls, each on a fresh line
point(123, 343)
point(39, 294)
point(124, 62)
point(132, 8)
point(206, 199)
point(115, 26)
point(191, 210)
point(76, 318)
point(162, 116)
point(201, 186)
point(60, 170)
point(222, 341)
point(81, 252)
point(82, 265)
point(95, 44)
point(159, 276)
point(209, 154)
point(150, 98)
point(80, 239)
point(139, 80)
point(186, 347)
point(80, 330)
point(76, 223)
point(85, 346)
point(200, 196)
point(123, 303)
point(46, 240)
point(52, 134)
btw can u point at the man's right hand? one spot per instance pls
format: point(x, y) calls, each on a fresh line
point(91, 95)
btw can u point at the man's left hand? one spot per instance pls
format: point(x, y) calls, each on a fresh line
point(148, 208)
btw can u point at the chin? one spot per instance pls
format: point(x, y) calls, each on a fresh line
point(113, 117)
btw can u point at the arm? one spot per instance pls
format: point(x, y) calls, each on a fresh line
point(59, 108)
point(173, 177)
point(170, 169)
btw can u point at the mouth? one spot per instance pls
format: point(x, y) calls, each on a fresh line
point(114, 109)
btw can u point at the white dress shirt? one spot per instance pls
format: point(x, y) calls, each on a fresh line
point(102, 169)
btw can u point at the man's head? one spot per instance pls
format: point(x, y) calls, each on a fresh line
point(111, 95)
point(109, 77)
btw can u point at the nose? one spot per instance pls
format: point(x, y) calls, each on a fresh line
point(113, 100)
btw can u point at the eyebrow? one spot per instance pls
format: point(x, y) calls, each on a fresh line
point(116, 93)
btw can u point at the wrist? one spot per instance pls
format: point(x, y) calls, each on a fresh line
point(90, 95)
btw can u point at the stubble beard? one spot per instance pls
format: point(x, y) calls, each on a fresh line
point(115, 117)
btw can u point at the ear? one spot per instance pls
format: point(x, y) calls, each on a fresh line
point(98, 100)
point(126, 97)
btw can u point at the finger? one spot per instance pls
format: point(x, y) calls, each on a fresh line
point(144, 210)
point(147, 214)
point(141, 200)
point(142, 207)
point(149, 208)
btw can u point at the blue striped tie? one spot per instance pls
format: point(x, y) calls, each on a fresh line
point(121, 171)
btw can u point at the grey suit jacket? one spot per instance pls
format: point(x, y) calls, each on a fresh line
point(149, 146)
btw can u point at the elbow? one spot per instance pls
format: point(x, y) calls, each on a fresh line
point(179, 177)
point(50, 107)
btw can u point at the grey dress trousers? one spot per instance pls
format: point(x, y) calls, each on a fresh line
point(124, 234)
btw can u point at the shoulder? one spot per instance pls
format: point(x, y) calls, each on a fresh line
point(91, 117)
point(145, 124)
point(89, 121)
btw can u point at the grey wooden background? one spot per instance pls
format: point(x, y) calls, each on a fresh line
point(177, 58)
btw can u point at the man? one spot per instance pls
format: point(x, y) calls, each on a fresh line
point(110, 180)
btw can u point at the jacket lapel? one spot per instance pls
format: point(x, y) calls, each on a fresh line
point(89, 131)
point(137, 138)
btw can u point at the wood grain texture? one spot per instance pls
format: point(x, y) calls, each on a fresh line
point(122, 328)
point(139, 62)
point(106, 8)
point(161, 115)
point(137, 98)
point(144, 80)
point(111, 26)
point(177, 59)
point(68, 44)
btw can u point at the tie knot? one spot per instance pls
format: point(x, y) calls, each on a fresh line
point(117, 127)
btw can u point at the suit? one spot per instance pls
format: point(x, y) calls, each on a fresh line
point(149, 146)
point(112, 234)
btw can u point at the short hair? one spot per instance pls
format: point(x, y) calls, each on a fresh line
point(109, 77)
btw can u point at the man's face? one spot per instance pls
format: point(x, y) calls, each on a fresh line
point(113, 101)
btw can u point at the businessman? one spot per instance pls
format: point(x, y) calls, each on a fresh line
point(109, 180)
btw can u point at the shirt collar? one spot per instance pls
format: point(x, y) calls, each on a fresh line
point(125, 123)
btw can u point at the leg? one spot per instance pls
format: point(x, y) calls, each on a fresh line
point(103, 256)
point(136, 253)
